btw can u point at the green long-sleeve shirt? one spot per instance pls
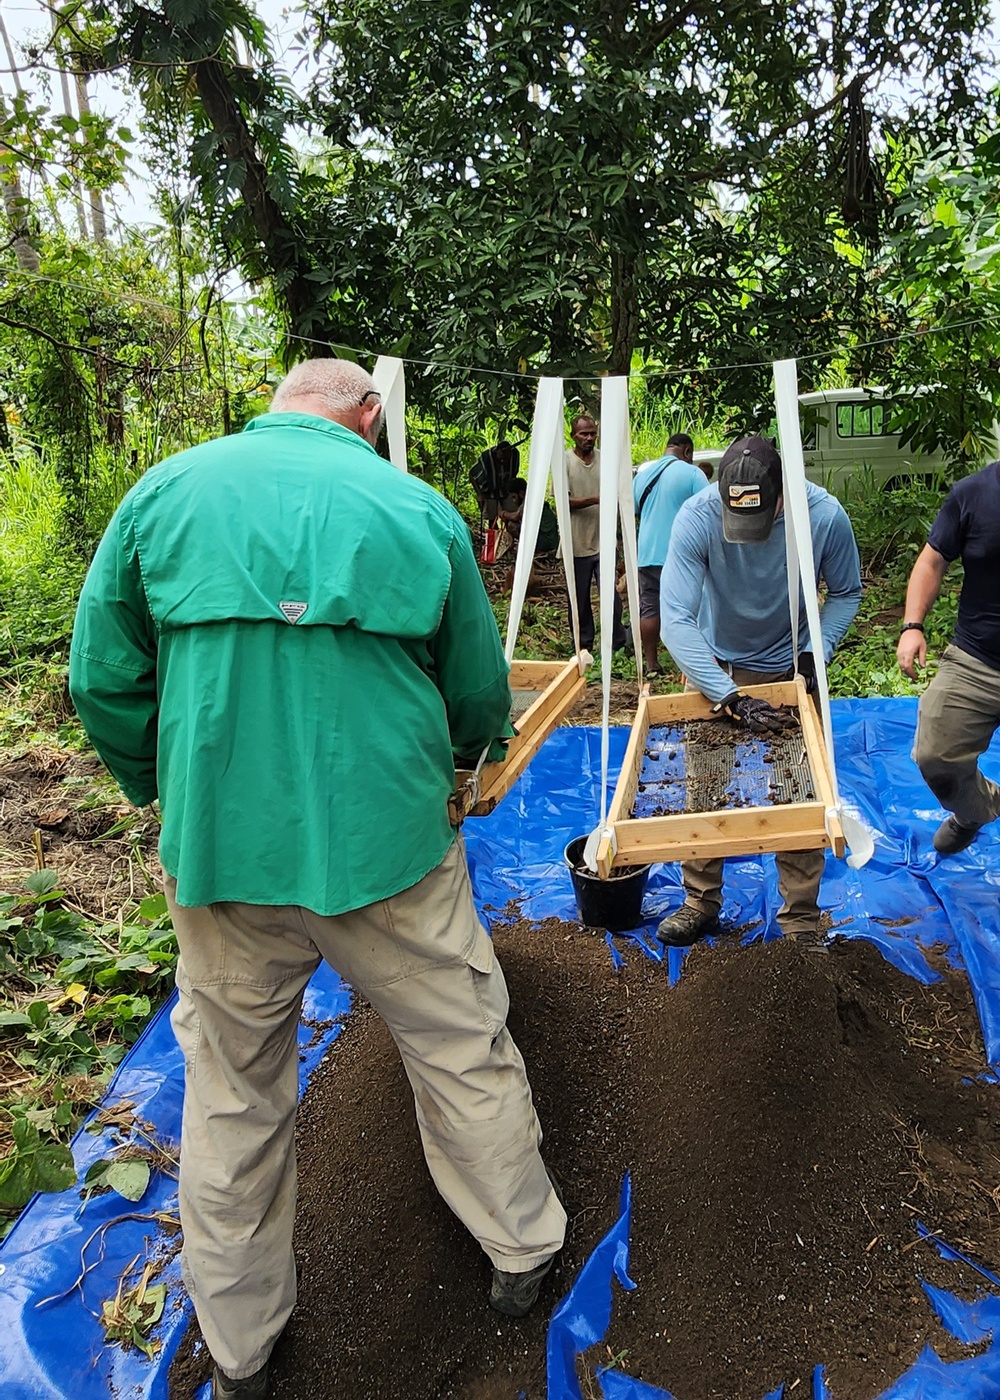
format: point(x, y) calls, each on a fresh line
point(285, 639)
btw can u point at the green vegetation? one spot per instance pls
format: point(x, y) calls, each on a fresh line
point(77, 993)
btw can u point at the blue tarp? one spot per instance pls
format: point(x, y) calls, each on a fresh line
point(56, 1351)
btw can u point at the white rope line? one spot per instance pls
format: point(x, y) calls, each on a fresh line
point(595, 376)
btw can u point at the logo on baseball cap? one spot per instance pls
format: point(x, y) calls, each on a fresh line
point(749, 487)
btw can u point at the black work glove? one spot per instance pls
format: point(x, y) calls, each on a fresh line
point(756, 714)
point(807, 670)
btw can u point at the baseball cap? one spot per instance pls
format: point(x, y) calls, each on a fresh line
point(749, 486)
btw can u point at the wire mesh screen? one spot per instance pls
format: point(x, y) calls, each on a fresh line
point(522, 701)
point(711, 766)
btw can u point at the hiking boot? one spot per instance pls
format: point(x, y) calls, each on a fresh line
point(952, 837)
point(515, 1295)
point(249, 1388)
point(685, 926)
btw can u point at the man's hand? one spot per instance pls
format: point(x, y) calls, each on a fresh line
point(912, 652)
point(756, 714)
point(807, 670)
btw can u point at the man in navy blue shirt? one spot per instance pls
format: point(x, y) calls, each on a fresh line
point(960, 709)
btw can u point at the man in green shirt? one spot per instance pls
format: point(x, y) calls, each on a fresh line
point(287, 641)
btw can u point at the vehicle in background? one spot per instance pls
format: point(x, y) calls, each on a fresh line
point(848, 430)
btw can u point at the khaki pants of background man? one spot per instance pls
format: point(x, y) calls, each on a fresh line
point(799, 872)
point(426, 964)
point(958, 716)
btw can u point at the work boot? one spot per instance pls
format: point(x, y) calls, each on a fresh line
point(249, 1388)
point(515, 1295)
point(686, 925)
point(952, 837)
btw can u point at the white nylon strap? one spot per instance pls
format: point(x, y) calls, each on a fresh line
point(546, 455)
point(560, 494)
point(390, 382)
point(616, 458)
point(802, 570)
point(630, 547)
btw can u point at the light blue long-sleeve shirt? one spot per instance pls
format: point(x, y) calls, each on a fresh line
point(678, 482)
point(745, 586)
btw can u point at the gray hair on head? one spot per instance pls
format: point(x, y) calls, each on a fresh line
point(338, 385)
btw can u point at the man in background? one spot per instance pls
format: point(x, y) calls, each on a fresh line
point(512, 516)
point(583, 469)
point(659, 490)
point(252, 648)
point(728, 547)
point(960, 710)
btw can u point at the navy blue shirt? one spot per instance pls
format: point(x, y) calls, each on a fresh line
point(968, 526)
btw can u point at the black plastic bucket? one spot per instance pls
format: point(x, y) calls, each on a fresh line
point(614, 904)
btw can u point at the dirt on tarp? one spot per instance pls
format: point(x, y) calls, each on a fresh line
point(624, 700)
point(786, 1114)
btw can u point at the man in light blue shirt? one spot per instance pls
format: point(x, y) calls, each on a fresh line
point(659, 490)
point(727, 550)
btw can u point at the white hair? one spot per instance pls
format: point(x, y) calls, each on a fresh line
point(339, 385)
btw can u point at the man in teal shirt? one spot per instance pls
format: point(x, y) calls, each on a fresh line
point(659, 490)
point(287, 641)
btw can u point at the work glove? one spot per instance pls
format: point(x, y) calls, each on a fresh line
point(497, 752)
point(807, 670)
point(755, 713)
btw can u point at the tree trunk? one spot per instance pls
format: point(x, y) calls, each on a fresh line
point(68, 109)
point(94, 197)
point(279, 242)
point(624, 312)
point(15, 204)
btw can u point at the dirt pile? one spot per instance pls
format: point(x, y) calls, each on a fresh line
point(103, 850)
point(786, 1113)
point(792, 1133)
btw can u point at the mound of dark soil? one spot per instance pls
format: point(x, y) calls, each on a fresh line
point(786, 1113)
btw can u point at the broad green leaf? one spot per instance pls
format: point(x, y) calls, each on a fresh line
point(41, 881)
point(16, 1019)
point(153, 907)
point(129, 1179)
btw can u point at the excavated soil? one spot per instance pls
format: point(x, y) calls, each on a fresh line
point(102, 849)
point(624, 699)
point(716, 765)
point(786, 1114)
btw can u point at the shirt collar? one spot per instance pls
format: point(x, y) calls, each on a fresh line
point(313, 421)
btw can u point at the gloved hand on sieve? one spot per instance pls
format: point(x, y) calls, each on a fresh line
point(755, 713)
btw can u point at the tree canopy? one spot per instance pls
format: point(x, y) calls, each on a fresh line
point(503, 190)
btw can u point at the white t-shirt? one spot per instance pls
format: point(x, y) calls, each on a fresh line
point(584, 480)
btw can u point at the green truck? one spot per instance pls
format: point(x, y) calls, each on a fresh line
point(845, 431)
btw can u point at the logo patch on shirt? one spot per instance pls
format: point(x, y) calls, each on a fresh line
point(744, 497)
point(292, 611)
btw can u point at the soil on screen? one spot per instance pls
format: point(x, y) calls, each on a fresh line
point(787, 1113)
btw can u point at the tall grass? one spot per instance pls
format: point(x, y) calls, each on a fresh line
point(39, 580)
point(654, 420)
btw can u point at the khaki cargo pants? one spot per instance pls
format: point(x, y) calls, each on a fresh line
point(958, 716)
point(799, 872)
point(426, 964)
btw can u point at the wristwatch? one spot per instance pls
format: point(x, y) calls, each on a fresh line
point(911, 627)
